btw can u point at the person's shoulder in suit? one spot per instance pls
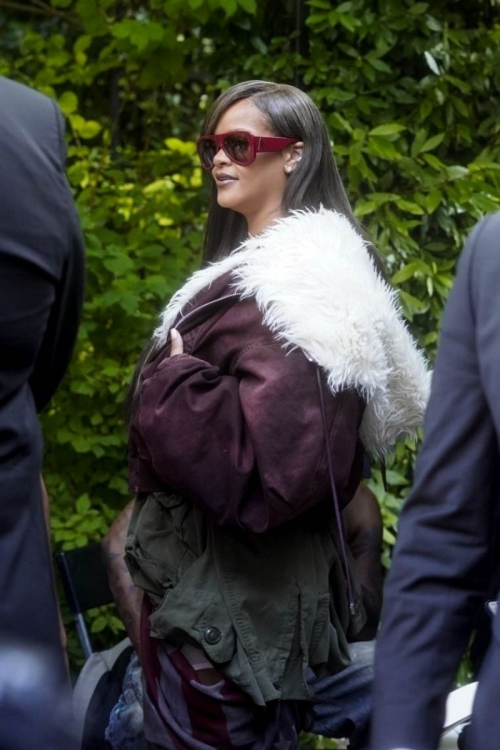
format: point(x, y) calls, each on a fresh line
point(475, 291)
point(479, 268)
point(40, 231)
point(482, 250)
point(39, 115)
point(18, 92)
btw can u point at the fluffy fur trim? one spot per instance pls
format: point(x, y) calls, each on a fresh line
point(317, 288)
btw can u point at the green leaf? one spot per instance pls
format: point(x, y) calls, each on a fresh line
point(68, 101)
point(433, 142)
point(410, 207)
point(345, 7)
point(383, 148)
point(396, 478)
point(82, 43)
point(349, 22)
point(417, 9)
point(433, 24)
point(433, 200)
point(389, 537)
point(425, 108)
point(364, 208)
point(412, 303)
point(389, 128)
point(139, 33)
point(80, 443)
point(434, 162)
point(182, 147)
point(249, 5)
point(85, 128)
point(486, 203)
point(316, 18)
point(93, 19)
point(419, 141)
point(98, 624)
point(337, 121)
point(408, 272)
point(230, 7)
point(431, 62)
point(456, 172)
point(83, 504)
point(119, 484)
point(119, 264)
point(379, 65)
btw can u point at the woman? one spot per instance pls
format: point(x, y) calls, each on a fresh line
point(287, 361)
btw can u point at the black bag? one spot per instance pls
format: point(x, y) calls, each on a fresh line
point(97, 691)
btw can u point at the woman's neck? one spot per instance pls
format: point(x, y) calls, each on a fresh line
point(261, 221)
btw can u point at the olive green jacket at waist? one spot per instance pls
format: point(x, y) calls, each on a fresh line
point(263, 607)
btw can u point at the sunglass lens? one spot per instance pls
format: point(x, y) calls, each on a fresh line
point(207, 149)
point(237, 147)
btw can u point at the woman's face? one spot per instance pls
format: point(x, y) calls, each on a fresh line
point(256, 191)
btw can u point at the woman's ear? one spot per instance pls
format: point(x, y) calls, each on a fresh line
point(293, 156)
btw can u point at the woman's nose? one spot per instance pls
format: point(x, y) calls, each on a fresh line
point(221, 158)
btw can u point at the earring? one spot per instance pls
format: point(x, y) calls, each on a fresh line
point(288, 168)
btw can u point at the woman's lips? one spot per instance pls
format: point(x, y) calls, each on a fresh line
point(223, 180)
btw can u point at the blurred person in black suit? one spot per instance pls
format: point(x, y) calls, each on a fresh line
point(35, 709)
point(41, 297)
point(447, 552)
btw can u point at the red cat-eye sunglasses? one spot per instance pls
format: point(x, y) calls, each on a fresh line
point(240, 146)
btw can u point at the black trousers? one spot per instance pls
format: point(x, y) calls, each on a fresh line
point(484, 731)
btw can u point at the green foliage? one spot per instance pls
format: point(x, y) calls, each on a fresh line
point(408, 92)
point(312, 742)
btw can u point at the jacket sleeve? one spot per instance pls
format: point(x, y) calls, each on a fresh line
point(249, 447)
point(62, 326)
point(441, 568)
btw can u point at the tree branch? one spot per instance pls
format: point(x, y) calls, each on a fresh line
point(39, 8)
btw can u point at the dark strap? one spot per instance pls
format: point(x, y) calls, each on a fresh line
point(336, 505)
point(383, 471)
point(203, 312)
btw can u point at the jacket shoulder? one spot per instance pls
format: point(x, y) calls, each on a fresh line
point(39, 115)
point(479, 264)
point(482, 247)
point(24, 103)
point(21, 95)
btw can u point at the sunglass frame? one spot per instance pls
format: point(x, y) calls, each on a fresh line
point(257, 144)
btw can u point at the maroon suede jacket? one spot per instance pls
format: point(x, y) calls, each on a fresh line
point(235, 423)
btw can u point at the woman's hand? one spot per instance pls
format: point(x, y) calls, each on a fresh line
point(177, 343)
point(176, 348)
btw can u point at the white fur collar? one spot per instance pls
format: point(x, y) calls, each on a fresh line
point(317, 288)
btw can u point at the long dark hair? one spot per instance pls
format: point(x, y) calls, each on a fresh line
point(315, 181)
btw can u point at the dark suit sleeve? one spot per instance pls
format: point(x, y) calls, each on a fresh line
point(62, 327)
point(440, 569)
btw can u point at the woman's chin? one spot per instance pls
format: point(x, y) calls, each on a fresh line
point(225, 201)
